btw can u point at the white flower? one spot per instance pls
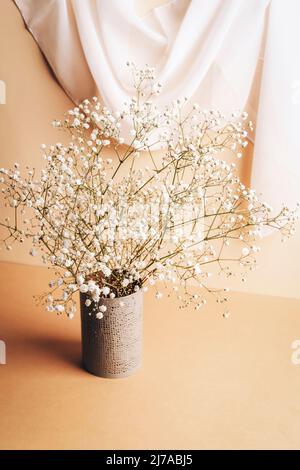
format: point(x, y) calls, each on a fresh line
point(88, 302)
point(13, 203)
point(106, 290)
point(197, 269)
point(76, 122)
point(59, 308)
point(102, 308)
point(80, 279)
point(39, 202)
point(84, 288)
point(99, 315)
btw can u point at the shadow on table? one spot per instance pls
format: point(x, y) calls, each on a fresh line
point(52, 351)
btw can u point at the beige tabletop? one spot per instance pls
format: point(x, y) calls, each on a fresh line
point(206, 382)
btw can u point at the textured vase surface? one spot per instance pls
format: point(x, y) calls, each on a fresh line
point(112, 345)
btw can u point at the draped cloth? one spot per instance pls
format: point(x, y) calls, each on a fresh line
point(222, 54)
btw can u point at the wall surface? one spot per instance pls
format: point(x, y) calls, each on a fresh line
point(34, 99)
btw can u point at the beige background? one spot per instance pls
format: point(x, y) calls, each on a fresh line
point(34, 99)
point(205, 383)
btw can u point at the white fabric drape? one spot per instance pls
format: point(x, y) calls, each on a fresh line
point(215, 52)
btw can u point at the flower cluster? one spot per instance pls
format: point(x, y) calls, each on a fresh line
point(110, 227)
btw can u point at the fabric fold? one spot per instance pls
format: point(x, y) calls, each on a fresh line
point(207, 51)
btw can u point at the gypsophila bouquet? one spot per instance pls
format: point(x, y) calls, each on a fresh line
point(110, 226)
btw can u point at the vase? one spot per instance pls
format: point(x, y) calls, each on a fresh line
point(112, 345)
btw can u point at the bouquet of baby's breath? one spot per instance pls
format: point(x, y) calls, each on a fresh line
point(109, 233)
